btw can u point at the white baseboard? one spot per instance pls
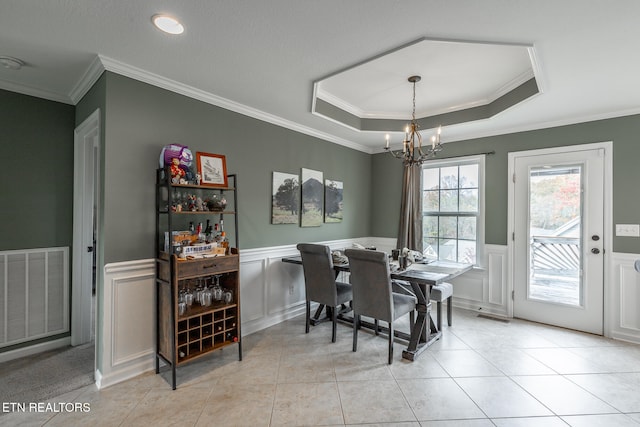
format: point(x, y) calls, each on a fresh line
point(130, 371)
point(34, 349)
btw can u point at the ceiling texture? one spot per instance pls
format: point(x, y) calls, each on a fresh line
point(338, 69)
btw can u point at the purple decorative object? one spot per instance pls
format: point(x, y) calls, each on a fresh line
point(181, 152)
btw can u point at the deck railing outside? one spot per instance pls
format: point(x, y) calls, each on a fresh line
point(555, 255)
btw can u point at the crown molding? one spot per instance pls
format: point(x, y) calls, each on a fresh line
point(144, 76)
point(88, 79)
point(32, 91)
point(535, 126)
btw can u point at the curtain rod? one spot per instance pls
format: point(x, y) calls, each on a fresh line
point(486, 153)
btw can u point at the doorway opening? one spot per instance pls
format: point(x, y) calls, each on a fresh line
point(85, 233)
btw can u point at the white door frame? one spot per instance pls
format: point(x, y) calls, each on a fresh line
point(608, 218)
point(85, 169)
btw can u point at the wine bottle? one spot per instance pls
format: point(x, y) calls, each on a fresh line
point(207, 232)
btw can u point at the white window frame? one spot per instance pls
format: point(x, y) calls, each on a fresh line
point(458, 161)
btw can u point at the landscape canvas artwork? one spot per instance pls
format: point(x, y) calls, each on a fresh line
point(285, 200)
point(312, 198)
point(333, 201)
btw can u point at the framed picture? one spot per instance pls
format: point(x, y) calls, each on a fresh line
point(285, 198)
point(333, 200)
point(312, 198)
point(212, 169)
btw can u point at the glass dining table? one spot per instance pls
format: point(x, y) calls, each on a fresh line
point(420, 277)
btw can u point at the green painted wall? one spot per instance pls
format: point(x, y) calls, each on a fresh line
point(37, 190)
point(140, 119)
point(623, 131)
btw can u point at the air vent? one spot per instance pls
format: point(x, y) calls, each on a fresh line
point(497, 319)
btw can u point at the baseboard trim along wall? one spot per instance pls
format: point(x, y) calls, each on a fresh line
point(34, 349)
point(273, 291)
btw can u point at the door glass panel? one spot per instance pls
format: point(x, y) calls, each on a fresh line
point(555, 206)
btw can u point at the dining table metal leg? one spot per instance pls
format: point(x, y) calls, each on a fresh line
point(316, 319)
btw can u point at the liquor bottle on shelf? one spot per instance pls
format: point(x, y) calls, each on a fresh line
point(200, 233)
point(224, 241)
point(208, 232)
point(216, 234)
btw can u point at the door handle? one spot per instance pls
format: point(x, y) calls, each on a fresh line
point(595, 251)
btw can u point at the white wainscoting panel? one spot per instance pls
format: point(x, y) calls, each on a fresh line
point(253, 303)
point(271, 292)
point(624, 298)
point(128, 334)
point(485, 289)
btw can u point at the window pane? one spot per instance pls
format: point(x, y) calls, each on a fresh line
point(467, 251)
point(448, 227)
point(449, 177)
point(451, 207)
point(430, 202)
point(430, 179)
point(467, 228)
point(430, 248)
point(429, 226)
point(469, 176)
point(469, 200)
point(449, 201)
point(447, 249)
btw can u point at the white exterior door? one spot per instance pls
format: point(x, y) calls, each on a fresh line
point(558, 238)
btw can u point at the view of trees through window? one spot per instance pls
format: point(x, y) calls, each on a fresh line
point(450, 208)
point(555, 198)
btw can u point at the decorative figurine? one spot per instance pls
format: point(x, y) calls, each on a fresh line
point(177, 173)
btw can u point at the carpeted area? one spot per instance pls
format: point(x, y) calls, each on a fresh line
point(43, 376)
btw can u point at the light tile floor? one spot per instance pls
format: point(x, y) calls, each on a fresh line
point(482, 372)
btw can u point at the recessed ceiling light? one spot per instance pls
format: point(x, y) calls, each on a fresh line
point(167, 24)
point(11, 63)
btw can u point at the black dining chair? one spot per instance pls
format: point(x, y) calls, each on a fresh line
point(373, 295)
point(320, 282)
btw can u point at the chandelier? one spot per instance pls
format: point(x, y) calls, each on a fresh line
point(412, 150)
